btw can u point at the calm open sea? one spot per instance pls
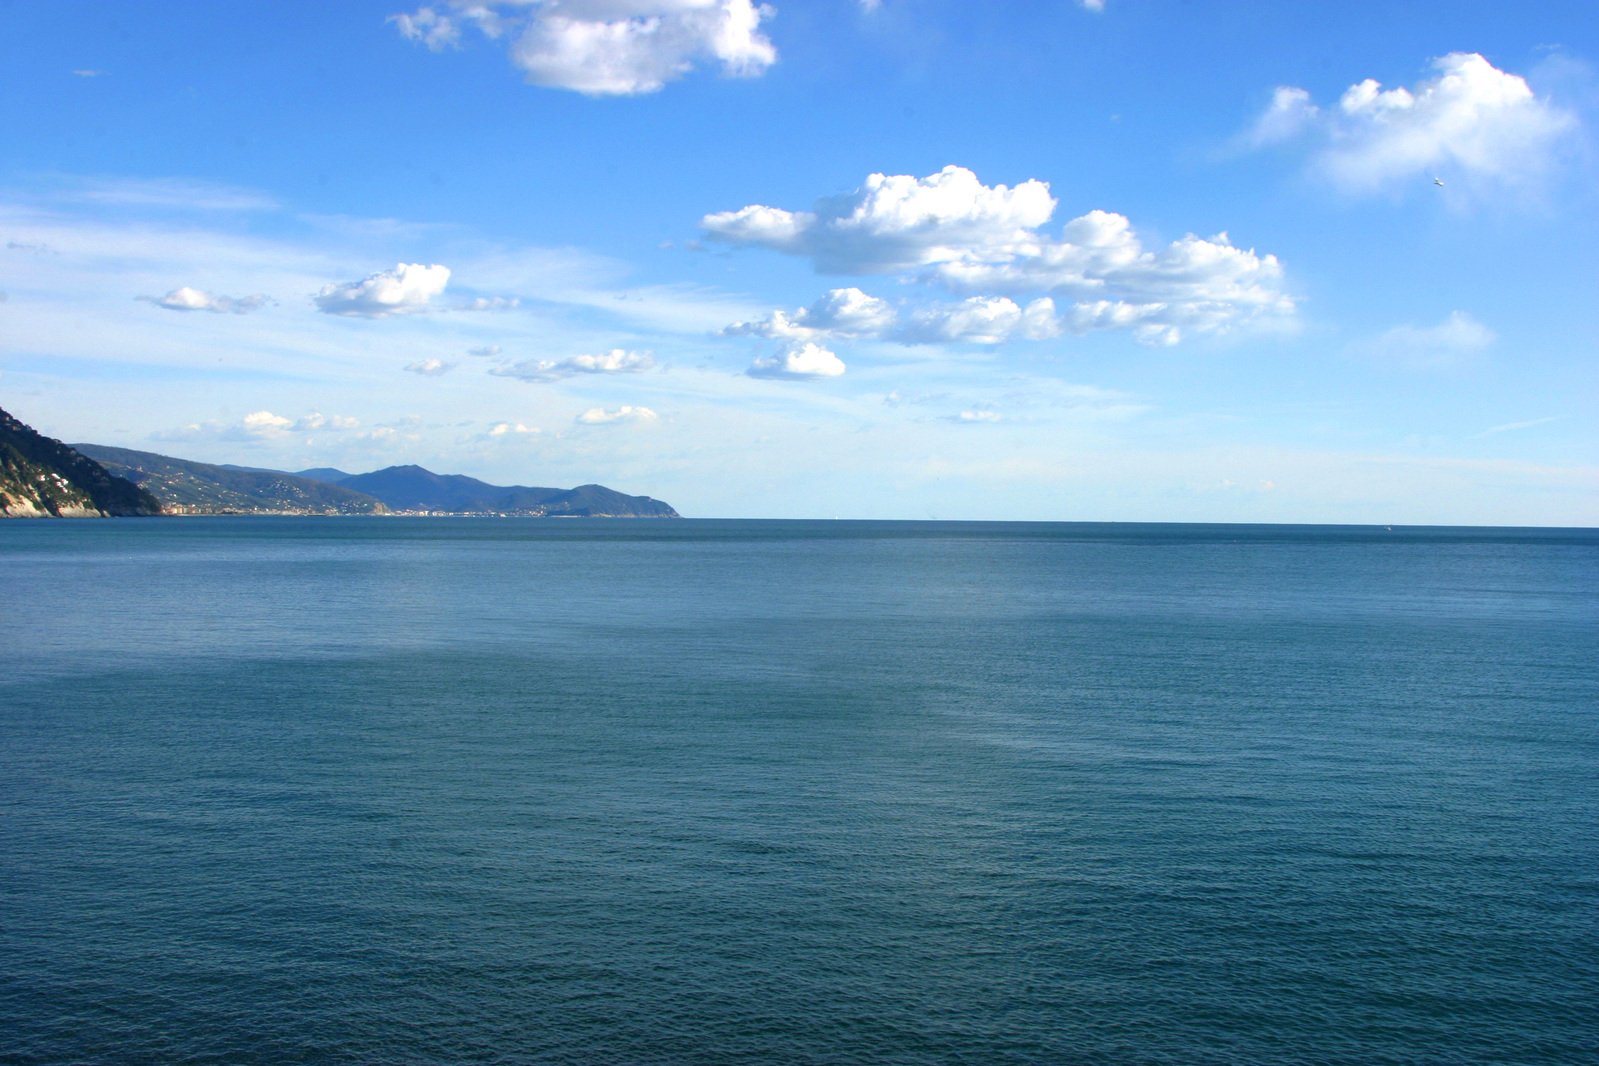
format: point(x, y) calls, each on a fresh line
point(462, 790)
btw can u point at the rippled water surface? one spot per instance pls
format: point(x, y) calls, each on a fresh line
point(434, 790)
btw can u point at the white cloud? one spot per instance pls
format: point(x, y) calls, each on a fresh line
point(488, 351)
point(983, 320)
point(1471, 123)
point(493, 303)
point(430, 367)
point(166, 194)
point(1289, 113)
point(504, 429)
point(599, 416)
point(187, 299)
point(801, 361)
point(615, 361)
point(259, 426)
point(977, 416)
point(1457, 337)
point(1512, 427)
point(842, 312)
point(896, 222)
point(316, 420)
point(266, 424)
point(607, 47)
point(404, 290)
point(426, 26)
point(951, 230)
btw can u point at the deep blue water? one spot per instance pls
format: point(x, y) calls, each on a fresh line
point(434, 790)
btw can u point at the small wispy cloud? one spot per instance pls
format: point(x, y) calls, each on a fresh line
point(430, 367)
point(189, 299)
point(615, 361)
point(976, 416)
point(600, 416)
point(176, 194)
point(492, 303)
point(1512, 427)
point(260, 425)
point(1455, 339)
point(512, 429)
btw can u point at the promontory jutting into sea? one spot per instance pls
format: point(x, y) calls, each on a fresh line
point(41, 477)
point(396, 789)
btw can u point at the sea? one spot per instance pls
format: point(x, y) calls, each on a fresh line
point(477, 790)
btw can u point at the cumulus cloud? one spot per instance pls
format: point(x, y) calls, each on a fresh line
point(1457, 337)
point(842, 312)
point(1470, 122)
point(896, 222)
point(951, 230)
point(615, 361)
point(599, 416)
point(266, 424)
point(800, 361)
point(187, 299)
point(606, 47)
point(404, 290)
point(430, 367)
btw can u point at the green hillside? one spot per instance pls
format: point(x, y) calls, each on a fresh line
point(41, 477)
point(186, 487)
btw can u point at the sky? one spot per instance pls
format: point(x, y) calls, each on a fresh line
point(1130, 260)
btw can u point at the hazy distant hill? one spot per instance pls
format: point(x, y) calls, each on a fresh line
point(323, 473)
point(186, 487)
point(411, 488)
point(41, 477)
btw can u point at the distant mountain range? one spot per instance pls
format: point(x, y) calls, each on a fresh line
point(41, 477)
point(201, 488)
point(411, 488)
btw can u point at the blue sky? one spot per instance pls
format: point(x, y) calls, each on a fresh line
point(908, 259)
